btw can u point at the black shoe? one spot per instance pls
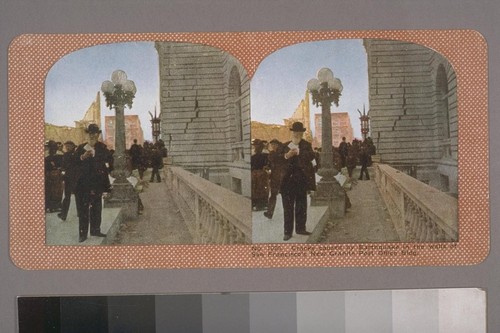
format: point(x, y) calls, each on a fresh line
point(303, 232)
point(61, 216)
point(269, 216)
point(82, 239)
point(287, 237)
point(98, 234)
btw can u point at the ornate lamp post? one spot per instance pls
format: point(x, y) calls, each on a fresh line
point(324, 90)
point(155, 126)
point(120, 92)
point(365, 123)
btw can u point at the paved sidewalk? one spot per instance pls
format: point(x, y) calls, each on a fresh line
point(60, 232)
point(160, 223)
point(265, 230)
point(367, 221)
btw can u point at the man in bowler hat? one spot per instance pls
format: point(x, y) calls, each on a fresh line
point(93, 158)
point(297, 180)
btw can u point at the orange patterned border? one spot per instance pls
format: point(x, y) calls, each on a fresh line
point(31, 57)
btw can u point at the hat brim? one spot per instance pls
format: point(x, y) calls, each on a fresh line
point(298, 130)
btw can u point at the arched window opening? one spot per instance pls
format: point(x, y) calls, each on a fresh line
point(443, 109)
point(235, 102)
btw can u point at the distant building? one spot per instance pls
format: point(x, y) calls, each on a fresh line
point(133, 130)
point(302, 113)
point(93, 114)
point(341, 127)
point(282, 132)
point(269, 132)
point(76, 134)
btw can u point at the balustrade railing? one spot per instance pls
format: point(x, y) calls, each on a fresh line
point(213, 214)
point(420, 212)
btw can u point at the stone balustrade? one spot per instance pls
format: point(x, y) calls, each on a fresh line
point(213, 214)
point(420, 212)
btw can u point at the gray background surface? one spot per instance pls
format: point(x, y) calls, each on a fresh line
point(64, 16)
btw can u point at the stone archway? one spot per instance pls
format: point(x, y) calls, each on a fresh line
point(235, 103)
point(443, 114)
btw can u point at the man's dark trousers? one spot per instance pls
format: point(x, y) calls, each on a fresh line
point(89, 212)
point(294, 203)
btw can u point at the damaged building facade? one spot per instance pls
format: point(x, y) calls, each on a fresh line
point(205, 113)
point(413, 111)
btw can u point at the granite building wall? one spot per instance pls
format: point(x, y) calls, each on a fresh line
point(413, 111)
point(205, 112)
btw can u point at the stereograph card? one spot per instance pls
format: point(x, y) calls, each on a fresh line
point(211, 150)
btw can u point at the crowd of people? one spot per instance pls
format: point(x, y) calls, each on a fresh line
point(84, 171)
point(149, 155)
point(289, 168)
point(351, 154)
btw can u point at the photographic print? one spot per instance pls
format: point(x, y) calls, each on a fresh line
point(175, 154)
point(268, 149)
point(389, 115)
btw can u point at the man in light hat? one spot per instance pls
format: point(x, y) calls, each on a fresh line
point(93, 158)
point(298, 178)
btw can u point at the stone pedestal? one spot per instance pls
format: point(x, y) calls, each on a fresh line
point(124, 196)
point(330, 193)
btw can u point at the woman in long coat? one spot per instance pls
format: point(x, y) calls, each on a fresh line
point(53, 179)
point(260, 178)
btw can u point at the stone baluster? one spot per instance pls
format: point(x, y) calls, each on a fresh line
point(421, 225)
point(413, 221)
point(220, 228)
point(424, 226)
point(211, 224)
point(212, 220)
point(427, 223)
point(207, 224)
point(232, 235)
point(438, 234)
point(240, 237)
point(225, 234)
point(433, 231)
point(418, 216)
point(204, 222)
point(215, 226)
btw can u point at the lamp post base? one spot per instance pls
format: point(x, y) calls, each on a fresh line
point(124, 196)
point(330, 193)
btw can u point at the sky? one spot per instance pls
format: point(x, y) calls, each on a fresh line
point(280, 82)
point(73, 82)
point(277, 87)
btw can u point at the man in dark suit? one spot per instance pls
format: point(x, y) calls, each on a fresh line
point(260, 178)
point(93, 159)
point(276, 162)
point(297, 180)
point(70, 169)
point(343, 151)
